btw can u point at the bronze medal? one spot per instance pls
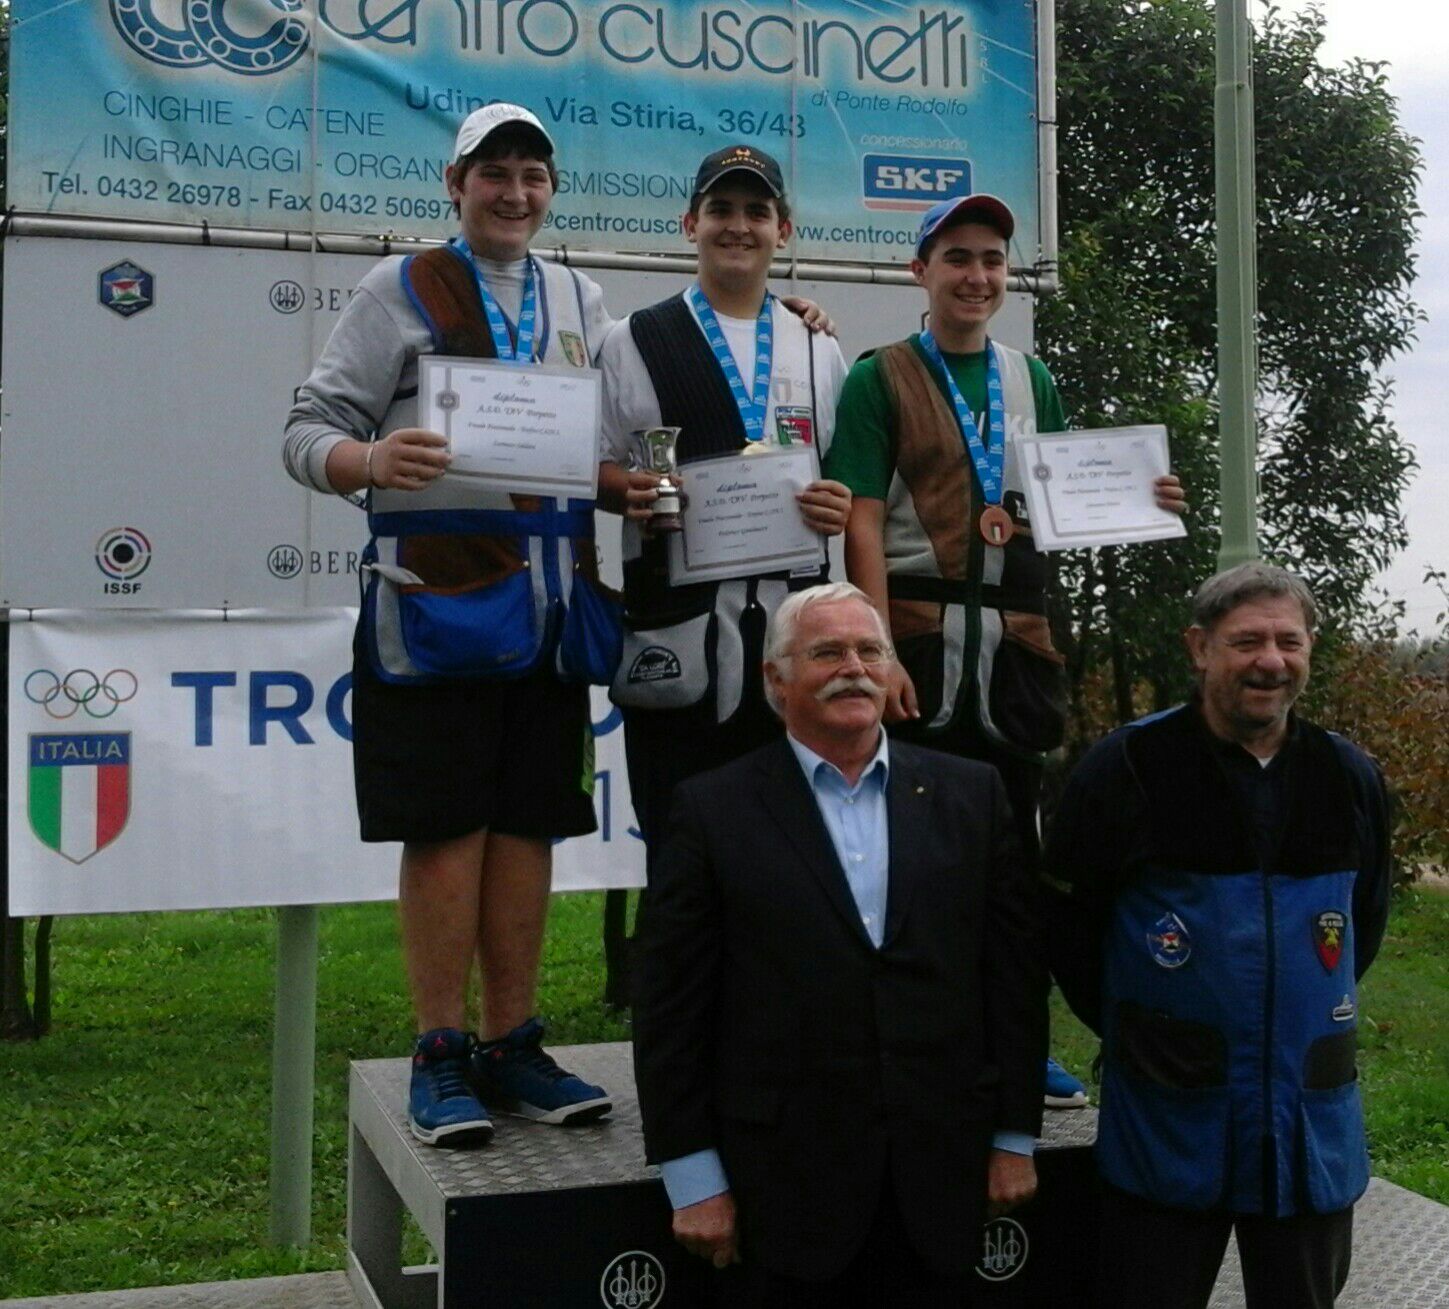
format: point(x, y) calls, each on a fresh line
point(996, 525)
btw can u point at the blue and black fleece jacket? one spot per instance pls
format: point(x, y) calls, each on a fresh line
point(1209, 918)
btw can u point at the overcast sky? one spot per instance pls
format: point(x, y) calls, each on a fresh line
point(1410, 35)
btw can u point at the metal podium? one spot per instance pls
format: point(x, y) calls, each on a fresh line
point(571, 1218)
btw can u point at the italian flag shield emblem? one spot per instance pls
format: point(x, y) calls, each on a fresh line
point(80, 790)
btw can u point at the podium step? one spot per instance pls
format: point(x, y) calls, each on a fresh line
point(558, 1218)
point(576, 1209)
point(1400, 1255)
point(1401, 1240)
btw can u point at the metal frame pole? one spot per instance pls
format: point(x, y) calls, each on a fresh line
point(1047, 184)
point(294, 1057)
point(1237, 284)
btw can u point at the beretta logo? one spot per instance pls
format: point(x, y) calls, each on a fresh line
point(127, 288)
point(284, 561)
point(286, 296)
point(633, 1280)
point(1004, 1249)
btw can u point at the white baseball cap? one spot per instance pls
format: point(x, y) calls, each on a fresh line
point(482, 123)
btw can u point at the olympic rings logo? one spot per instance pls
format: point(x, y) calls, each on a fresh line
point(64, 697)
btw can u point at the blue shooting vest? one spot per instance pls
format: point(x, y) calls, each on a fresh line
point(1229, 1000)
point(464, 583)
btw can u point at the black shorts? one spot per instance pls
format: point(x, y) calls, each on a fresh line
point(432, 763)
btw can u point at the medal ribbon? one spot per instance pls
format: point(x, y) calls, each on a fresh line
point(503, 344)
point(752, 407)
point(989, 459)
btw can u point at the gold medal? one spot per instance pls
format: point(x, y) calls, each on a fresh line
point(996, 525)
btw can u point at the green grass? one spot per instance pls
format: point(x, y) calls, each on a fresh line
point(136, 1136)
point(135, 1145)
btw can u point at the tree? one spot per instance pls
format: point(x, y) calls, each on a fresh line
point(1132, 336)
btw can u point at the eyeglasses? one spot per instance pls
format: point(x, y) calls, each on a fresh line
point(831, 654)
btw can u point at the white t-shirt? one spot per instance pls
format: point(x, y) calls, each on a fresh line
point(630, 402)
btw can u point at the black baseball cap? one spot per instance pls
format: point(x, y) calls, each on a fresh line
point(738, 159)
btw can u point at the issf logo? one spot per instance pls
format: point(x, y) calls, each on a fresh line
point(913, 181)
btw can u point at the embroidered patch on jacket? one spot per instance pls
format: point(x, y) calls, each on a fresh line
point(1343, 1011)
point(572, 345)
point(654, 664)
point(793, 423)
point(1328, 937)
point(1169, 942)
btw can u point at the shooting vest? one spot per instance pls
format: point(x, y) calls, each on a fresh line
point(469, 583)
point(968, 618)
point(686, 644)
point(1228, 996)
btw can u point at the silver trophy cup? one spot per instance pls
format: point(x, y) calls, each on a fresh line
point(655, 453)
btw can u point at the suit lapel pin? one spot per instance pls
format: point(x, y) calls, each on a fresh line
point(920, 790)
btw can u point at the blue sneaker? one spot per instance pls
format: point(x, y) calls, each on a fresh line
point(442, 1107)
point(518, 1076)
point(1063, 1091)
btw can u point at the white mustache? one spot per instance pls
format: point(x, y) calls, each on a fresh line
point(862, 683)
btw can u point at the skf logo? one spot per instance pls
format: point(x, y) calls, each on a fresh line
point(127, 288)
point(913, 182)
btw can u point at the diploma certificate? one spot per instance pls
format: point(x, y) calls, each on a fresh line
point(1095, 488)
point(741, 517)
point(528, 430)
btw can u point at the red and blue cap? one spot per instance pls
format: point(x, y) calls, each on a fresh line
point(980, 207)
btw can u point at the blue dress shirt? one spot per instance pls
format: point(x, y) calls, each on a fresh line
point(855, 817)
point(856, 820)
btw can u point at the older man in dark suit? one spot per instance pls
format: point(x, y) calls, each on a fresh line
point(840, 1026)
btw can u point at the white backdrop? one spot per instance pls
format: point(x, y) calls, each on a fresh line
point(143, 473)
point(238, 769)
point(168, 421)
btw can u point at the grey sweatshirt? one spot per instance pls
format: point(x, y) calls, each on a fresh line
point(372, 355)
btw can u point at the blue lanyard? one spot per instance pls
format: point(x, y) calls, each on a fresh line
point(503, 344)
point(989, 460)
point(752, 407)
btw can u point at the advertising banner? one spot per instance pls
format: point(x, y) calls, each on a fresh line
point(186, 762)
point(338, 115)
